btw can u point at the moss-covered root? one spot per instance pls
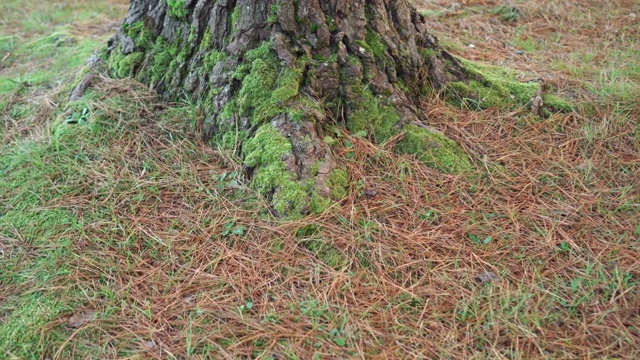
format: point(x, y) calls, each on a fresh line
point(434, 149)
point(270, 154)
point(494, 86)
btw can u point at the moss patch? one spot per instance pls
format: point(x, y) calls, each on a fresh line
point(375, 44)
point(266, 88)
point(327, 253)
point(557, 103)
point(373, 117)
point(498, 86)
point(161, 57)
point(162, 61)
point(290, 198)
point(338, 182)
point(177, 9)
point(257, 86)
point(434, 149)
point(122, 66)
point(319, 204)
point(235, 17)
point(273, 14)
point(491, 86)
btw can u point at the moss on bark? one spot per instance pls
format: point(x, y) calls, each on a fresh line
point(177, 9)
point(267, 152)
point(371, 115)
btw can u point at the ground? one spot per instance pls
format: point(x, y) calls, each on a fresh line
point(122, 235)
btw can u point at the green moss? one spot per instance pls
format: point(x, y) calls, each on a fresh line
point(259, 83)
point(338, 182)
point(177, 9)
point(331, 23)
point(139, 33)
point(259, 150)
point(257, 86)
point(207, 41)
point(428, 52)
point(290, 198)
point(434, 149)
point(327, 253)
point(273, 14)
point(231, 139)
point(229, 110)
point(491, 86)
point(235, 17)
point(364, 45)
point(184, 51)
point(241, 72)
point(373, 117)
point(557, 103)
point(477, 95)
point(265, 50)
point(266, 87)
point(162, 55)
point(165, 58)
point(211, 59)
point(122, 66)
point(498, 86)
point(376, 44)
point(212, 55)
point(130, 63)
point(266, 151)
point(288, 86)
point(319, 204)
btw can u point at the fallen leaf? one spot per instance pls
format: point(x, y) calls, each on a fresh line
point(487, 276)
point(81, 317)
point(190, 300)
point(370, 192)
point(585, 165)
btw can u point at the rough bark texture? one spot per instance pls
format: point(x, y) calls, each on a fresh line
point(272, 75)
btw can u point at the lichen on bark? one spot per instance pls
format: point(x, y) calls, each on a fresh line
point(271, 76)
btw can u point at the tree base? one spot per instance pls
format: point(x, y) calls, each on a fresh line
point(273, 78)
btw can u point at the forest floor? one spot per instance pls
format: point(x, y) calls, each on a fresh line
point(123, 236)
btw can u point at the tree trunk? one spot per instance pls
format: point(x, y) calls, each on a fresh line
point(271, 76)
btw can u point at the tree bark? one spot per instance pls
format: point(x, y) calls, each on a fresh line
point(272, 76)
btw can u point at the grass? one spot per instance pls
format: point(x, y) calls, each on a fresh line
point(122, 236)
